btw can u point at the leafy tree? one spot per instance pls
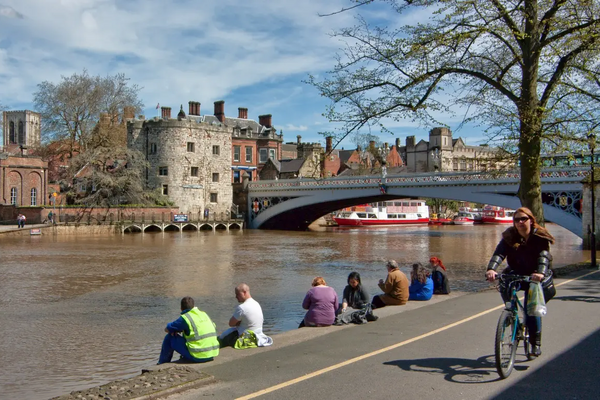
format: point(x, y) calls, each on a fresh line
point(529, 70)
point(442, 205)
point(71, 108)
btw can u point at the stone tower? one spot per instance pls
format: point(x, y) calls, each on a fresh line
point(21, 128)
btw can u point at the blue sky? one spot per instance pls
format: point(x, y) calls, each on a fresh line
point(250, 53)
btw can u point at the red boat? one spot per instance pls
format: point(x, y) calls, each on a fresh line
point(497, 215)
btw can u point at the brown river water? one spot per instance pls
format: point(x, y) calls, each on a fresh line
point(77, 311)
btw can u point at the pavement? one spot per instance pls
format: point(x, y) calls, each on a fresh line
point(13, 228)
point(439, 349)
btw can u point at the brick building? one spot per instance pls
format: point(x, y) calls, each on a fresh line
point(23, 180)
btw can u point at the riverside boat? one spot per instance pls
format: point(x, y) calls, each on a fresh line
point(385, 213)
point(467, 216)
point(497, 215)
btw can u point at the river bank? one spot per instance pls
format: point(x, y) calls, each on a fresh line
point(168, 379)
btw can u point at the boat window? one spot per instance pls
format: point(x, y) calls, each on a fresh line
point(361, 215)
point(413, 204)
point(401, 215)
point(405, 203)
point(392, 216)
point(398, 203)
point(345, 215)
point(419, 215)
point(372, 215)
point(509, 213)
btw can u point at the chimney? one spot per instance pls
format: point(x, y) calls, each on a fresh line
point(299, 139)
point(165, 112)
point(242, 113)
point(23, 150)
point(397, 143)
point(220, 110)
point(328, 144)
point(265, 120)
point(104, 119)
point(386, 146)
point(192, 108)
point(128, 112)
point(372, 144)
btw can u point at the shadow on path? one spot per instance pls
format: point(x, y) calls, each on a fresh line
point(458, 370)
point(570, 375)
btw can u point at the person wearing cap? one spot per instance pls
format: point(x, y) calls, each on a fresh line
point(395, 288)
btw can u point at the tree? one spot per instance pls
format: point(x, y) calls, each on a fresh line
point(71, 108)
point(527, 69)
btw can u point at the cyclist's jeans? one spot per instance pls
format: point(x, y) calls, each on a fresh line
point(534, 324)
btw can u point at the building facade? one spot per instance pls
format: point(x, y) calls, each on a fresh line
point(21, 128)
point(23, 180)
point(443, 153)
point(189, 157)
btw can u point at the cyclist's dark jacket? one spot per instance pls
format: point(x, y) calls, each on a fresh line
point(522, 256)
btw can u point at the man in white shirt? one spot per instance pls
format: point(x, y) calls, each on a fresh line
point(247, 316)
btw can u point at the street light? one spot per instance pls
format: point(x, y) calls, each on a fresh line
point(592, 146)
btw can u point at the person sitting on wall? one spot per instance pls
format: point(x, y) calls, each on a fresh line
point(193, 335)
point(246, 324)
point(395, 288)
point(439, 276)
point(321, 302)
point(421, 284)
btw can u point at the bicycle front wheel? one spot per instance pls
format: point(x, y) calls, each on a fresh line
point(506, 343)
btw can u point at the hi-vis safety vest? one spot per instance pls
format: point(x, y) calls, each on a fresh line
point(202, 341)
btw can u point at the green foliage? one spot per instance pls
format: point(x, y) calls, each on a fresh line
point(443, 205)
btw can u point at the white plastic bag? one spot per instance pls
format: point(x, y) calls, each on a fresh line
point(536, 306)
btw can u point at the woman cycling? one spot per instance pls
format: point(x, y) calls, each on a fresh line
point(526, 246)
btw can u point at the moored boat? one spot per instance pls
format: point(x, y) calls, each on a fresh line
point(497, 215)
point(398, 212)
point(467, 216)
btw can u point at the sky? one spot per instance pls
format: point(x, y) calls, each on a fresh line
point(252, 53)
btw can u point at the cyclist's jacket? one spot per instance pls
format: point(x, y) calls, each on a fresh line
point(523, 257)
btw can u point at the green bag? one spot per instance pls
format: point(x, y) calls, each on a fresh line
point(248, 340)
point(536, 306)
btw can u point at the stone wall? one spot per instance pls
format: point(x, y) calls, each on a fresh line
point(186, 147)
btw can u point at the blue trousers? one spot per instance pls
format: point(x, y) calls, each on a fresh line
point(177, 343)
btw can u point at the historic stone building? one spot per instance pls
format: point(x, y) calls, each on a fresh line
point(443, 153)
point(21, 128)
point(190, 159)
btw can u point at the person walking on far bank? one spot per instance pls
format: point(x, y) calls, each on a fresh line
point(21, 221)
point(193, 335)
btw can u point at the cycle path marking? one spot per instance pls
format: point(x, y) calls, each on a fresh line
point(385, 349)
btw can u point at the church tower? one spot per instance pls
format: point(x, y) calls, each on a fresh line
point(21, 128)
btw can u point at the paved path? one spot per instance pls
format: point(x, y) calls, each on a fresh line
point(13, 228)
point(443, 350)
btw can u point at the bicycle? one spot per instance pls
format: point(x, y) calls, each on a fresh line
point(511, 325)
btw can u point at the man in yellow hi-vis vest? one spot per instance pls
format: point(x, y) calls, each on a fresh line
point(193, 335)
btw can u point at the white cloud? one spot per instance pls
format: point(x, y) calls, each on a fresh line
point(9, 12)
point(293, 128)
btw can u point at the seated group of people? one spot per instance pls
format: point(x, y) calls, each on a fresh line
point(323, 307)
point(193, 335)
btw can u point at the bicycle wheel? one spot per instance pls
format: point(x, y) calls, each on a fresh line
point(506, 344)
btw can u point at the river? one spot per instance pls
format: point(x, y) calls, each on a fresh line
point(81, 311)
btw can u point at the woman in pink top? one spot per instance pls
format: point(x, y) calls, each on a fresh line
point(321, 302)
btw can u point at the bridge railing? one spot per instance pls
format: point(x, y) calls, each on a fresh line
point(548, 174)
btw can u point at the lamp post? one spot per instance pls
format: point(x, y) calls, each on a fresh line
point(592, 146)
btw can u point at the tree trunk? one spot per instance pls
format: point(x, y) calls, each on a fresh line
point(530, 189)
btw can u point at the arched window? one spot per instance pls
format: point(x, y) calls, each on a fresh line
point(13, 196)
point(21, 133)
point(34, 197)
point(12, 138)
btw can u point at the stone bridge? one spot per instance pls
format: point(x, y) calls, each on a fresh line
point(293, 204)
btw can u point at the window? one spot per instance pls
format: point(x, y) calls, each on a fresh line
point(163, 171)
point(191, 147)
point(216, 150)
point(12, 138)
point(273, 154)
point(213, 197)
point(463, 165)
point(236, 153)
point(263, 155)
point(236, 177)
point(34, 197)
point(194, 171)
point(152, 148)
point(215, 177)
point(13, 196)
point(165, 190)
point(248, 154)
point(21, 133)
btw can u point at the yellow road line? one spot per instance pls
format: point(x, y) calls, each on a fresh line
point(383, 350)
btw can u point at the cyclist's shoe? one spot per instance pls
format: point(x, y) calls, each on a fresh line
point(536, 351)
